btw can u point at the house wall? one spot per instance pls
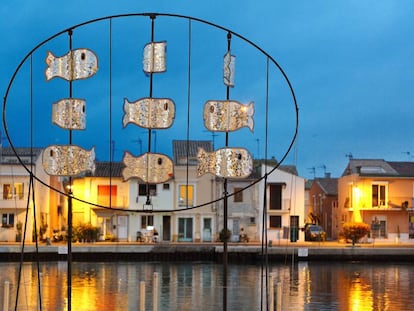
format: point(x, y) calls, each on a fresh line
point(293, 195)
point(322, 207)
point(203, 193)
point(16, 173)
point(360, 207)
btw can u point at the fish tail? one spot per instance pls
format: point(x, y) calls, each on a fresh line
point(202, 163)
point(250, 113)
point(127, 170)
point(250, 123)
point(50, 59)
point(126, 118)
point(91, 160)
point(250, 109)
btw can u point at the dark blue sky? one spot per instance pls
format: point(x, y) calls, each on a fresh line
point(350, 63)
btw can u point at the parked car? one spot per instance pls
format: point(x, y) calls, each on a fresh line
point(314, 233)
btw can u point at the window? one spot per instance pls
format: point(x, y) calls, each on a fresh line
point(107, 195)
point(379, 195)
point(275, 221)
point(275, 196)
point(238, 197)
point(11, 191)
point(166, 186)
point(147, 220)
point(186, 195)
point(142, 189)
point(7, 220)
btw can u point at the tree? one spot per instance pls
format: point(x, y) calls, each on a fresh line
point(354, 231)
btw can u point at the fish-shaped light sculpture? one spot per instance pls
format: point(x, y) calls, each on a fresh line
point(155, 57)
point(150, 113)
point(227, 115)
point(225, 162)
point(75, 65)
point(69, 113)
point(229, 69)
point(68, 160)
point(153, 168)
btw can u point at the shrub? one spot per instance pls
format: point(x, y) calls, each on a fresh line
point(224, 237)
point(355, 230)
point(85, 233)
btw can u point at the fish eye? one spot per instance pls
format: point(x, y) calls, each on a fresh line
point(159, 161)
point(211, 108)
point(239, 156)
point(51, 153)
point(166, 106)
point(83, 56)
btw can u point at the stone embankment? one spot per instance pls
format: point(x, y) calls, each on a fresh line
point(237, 252)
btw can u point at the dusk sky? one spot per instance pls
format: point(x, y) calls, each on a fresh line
point(351, 65)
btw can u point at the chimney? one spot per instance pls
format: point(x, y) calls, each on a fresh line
point(327, 175)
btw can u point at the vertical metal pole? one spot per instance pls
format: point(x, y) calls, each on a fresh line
point(69, 255)
point(225, 208)
point(142, 296)
point(155, 292)
point(70, 193)
point(6, 296)
point(151, 76)
point(278, 296)
point(271, 293)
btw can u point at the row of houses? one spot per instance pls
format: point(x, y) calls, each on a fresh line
point(187, 208)
point(190, 208)
point(372, 191)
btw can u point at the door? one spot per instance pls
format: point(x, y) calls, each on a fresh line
point(234, 226)
point(122, 228)
point(166, 228)
point(207, 229)
point(294, 228)
point(185, 229)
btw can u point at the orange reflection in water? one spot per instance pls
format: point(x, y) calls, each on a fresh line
point(360, 296)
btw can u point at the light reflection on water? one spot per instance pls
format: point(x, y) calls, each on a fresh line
point(198, 286)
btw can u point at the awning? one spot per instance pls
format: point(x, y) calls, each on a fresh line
point(108, 212)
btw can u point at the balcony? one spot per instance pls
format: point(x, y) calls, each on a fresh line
point(396, 203)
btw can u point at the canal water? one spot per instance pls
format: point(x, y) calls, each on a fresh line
point(198, 286)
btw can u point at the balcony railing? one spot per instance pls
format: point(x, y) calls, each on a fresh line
point(394, 203)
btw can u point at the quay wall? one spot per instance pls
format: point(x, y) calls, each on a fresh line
point(237, 253)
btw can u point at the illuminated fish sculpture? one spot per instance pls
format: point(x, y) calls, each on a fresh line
point(229, 69)
point(68, 160)
point(69, 113)
point(75, 65)
point(227, 115)
point(150, 113)
point(151, 168)
point(225, 162)
point(155, 57)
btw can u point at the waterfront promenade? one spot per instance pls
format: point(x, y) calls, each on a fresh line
point(237, 252)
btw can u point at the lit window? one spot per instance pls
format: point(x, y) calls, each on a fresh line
point(379, 195)
point(7, 220)
point(11, 191)
point(147, 220)
point(107, 194)
point(186, 195)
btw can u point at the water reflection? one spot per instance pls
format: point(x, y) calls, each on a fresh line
point(197, 286)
